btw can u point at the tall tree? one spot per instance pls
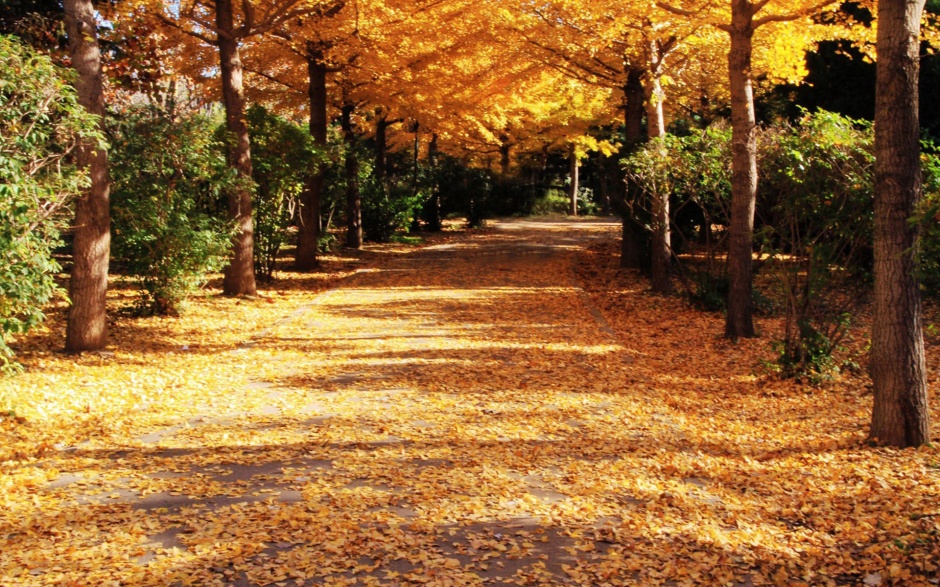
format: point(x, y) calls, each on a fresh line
point(225, 25)
point(900, 416)
point(87, 327)
point(741, 19)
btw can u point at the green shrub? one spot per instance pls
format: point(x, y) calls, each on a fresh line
point(169, 174)
point(818, 222)
point(928, 216)
point(387, 207)
point(283, 157)
point(40, 125)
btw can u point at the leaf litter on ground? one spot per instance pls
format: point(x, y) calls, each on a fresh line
point(504, 407)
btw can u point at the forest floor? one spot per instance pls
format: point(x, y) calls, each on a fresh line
point(494, 407)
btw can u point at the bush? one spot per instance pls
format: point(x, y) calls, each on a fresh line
point(41, 123)
point(283, 157)
point(928, 216)
point(387, 207)
point(169, 174)
point(818, 224)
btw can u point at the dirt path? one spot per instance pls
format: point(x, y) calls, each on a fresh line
point(462, 416)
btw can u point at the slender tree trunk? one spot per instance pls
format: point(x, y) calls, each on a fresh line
point(381, 148)
point(574, 168)
point(661, 244)
point(435, 223)
point(739, 321)
point(900, 416)
point(240, 273)
point(416, 161)
point(309, 234)
point(353, 200)
point(505, 148)
point(87, 327)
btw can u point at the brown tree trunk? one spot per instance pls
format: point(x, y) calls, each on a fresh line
point(634, 101)
point(435, 222)
point(381, 148)
point(309, 234)
point(353, 200)
point(240, 273)
point(900, 416)
point(661, 244)
point(87, 327)
point(634, 246)
point(739, 321)
point(505, 149)
point(574, 167)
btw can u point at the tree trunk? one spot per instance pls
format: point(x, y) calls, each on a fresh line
point(353, 200)
point(435, 223)
point(87, 327)
point(505, 148)
point(634, 246)
point(240, 273)
point(381, 148)
point(900, 416)
point(309, 234)
point(574, 168)
point(661, 244)
point(739, 321)
point(634, 101)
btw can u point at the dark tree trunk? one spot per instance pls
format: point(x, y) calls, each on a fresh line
point(353, 200)
point(900, 416)
point(634, 106)
point(635, 244)
point(309, 234)
point(505, 148)
point(381, 148)
point(87, 327)
point(435, 223)
point(573, 168)
point(240, 273)
point(739, 321)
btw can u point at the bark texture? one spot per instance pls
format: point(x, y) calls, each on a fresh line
point(353, 199)
point(309, 231)
point(661, 242)
point(900, 416)
point(739, 321)
point(240, 273)
point(573, 169)
point(634, 250)
point(87, 327)
point(434, 219)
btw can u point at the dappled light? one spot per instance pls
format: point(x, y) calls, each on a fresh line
point(513, 413)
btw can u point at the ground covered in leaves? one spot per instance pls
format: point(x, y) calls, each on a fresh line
point(504, 407)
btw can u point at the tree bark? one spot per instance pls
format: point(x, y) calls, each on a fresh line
point(739, 321)
point(661, 243)
point(900, 416)
point(240, 273)
point(505, 149)
point(634, 246)
point(309, 234)
point(574, 168)
point(87, 327)
point(634, 101)
point(435, 222)
point(353, 199)
point(381, 148)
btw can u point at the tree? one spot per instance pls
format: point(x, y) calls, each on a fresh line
point(41, 125)
point(225, 25)
point(900, 416)
point(87, 327)
point(741, 19)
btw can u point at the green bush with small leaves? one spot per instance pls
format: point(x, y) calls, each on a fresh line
point(169, 175)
